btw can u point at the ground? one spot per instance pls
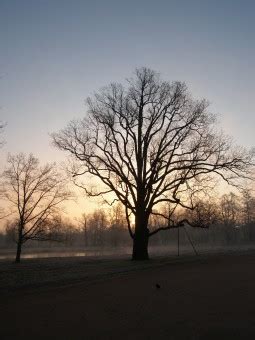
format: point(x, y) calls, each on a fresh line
point(204, 297)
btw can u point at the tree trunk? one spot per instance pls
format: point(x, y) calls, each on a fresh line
point(18, 253)
point(19, 242)
point(141, 238)
point(140, 247)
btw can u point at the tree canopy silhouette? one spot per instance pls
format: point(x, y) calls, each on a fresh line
point(150, 143)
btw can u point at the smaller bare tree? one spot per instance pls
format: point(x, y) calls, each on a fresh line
point(35, 194)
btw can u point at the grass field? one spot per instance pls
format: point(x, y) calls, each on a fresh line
point(206, 297)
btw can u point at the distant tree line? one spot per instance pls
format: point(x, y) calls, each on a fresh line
point(100, 228)
point(228, 220)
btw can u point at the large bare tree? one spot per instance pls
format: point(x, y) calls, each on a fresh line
point(34, 194)
point(150, 143)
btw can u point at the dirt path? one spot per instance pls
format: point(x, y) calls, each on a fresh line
point(211, 298)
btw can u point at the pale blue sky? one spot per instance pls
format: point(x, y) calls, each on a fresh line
point(53, 54)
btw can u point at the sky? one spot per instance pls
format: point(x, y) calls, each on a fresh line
point(55, 53)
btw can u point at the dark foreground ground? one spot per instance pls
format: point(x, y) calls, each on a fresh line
point(205, 297)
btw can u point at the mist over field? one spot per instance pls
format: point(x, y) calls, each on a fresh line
point(115, 242)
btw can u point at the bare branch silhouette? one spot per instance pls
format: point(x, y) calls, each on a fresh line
point(35, 194)
point(153, 141)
